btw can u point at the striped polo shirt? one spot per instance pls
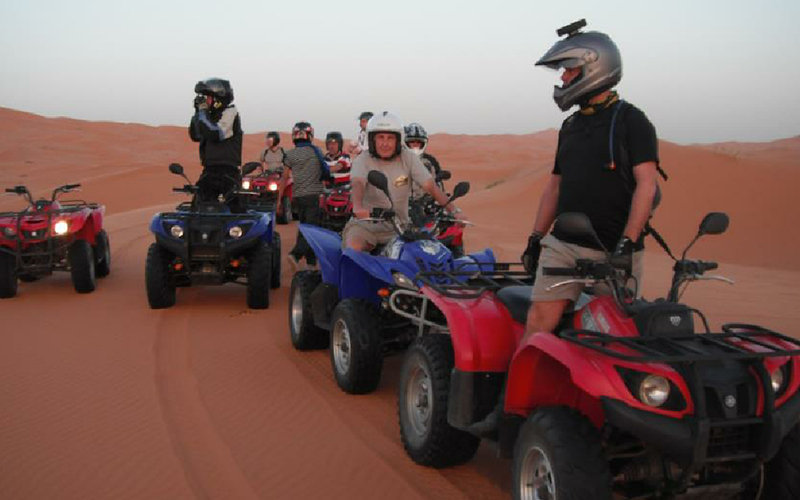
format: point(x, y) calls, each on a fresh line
point(305, 171)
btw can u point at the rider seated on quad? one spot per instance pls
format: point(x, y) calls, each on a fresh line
point(338, 162)
point(417, 141)
point(272, 156)
point(401, 167)
point(216, 126)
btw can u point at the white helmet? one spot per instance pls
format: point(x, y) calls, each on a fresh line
point(382, 123)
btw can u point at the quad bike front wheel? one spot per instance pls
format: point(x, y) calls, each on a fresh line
point(356, 356)
point(81, 264)
point(259, 277)
point(305, 334)
point(276, 260)
point(782, 473)
point(102, 254)
point(422, 406)
point(558, 454)
point(8, 275)
point(160, 289)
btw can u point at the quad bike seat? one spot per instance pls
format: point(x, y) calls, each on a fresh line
point(517, 300)
point(662, 319)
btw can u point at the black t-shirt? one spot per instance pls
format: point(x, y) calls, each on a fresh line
point(588, 184)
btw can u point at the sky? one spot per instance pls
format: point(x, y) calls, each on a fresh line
point(703, 71)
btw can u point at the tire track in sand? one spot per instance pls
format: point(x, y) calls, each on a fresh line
point(208, 464)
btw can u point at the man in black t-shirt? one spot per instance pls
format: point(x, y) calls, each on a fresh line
point(617, 195)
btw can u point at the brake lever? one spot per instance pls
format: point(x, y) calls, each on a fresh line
point(713, 277)
point(583, 281)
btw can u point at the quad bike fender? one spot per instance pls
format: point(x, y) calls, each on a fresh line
point(546, 370)
point(363, 274)
point(85, 225)
point(469, 320)
point(327, 246)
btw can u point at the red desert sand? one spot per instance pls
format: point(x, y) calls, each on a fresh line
point(101, 397)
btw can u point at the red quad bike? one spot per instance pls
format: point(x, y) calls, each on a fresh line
point(335, 204)
point(53, 235)
point(424, 213)
point(266, 184)
point(629, 398)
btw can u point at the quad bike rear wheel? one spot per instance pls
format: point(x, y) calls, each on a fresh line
point(356, 356)
point(8, 275)
point(276, 260)
point(558, 454)
point(102, 254)
point(259, 277)
point(81, 263)
point(160, 289)
point(422, 406)
point(782, 473)
point(305, 334)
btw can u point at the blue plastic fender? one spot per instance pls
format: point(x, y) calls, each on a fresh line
point(362, 274)
point(327, 246)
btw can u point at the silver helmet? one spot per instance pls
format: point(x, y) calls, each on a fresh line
point(416, 132)
point(594, 53)
point(388, 123)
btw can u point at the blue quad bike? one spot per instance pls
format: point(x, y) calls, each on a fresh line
point(205, 243)
point(367, 305)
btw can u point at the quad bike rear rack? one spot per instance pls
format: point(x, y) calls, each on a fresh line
point(463, 283)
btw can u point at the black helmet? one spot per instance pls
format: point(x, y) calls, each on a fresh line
point(217, 88)
point(276, 137)
point(302, 131)
point(335, 137)
point(594, 53)
point(366, 115)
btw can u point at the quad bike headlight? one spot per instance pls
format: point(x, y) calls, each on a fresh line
point(235, 232)
point(403, 281)
point(9, 231)
point(176, 231)
point(61, 227)
point(246, 184)
point(273, 186)
point(779, 379)
point(654, 390)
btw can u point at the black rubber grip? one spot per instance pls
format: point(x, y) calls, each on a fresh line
point(708, 266)
point(559, 271)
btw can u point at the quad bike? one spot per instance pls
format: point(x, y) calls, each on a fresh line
point(346, 303)
point(630, 398)
point(53, 235)
point(203, 242)
point(425, 212)
point(335, 206)
point(265, 186)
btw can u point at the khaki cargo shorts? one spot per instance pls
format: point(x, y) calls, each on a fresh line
point(556, 253)
point(374, 233)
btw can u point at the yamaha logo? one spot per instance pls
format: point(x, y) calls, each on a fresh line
point(675, 320)
point(430, 247)
point(730, 401)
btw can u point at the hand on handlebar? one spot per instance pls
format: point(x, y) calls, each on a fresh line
point(623, 254)
point(362, 213)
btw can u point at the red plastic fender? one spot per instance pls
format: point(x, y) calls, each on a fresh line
point(482, 331)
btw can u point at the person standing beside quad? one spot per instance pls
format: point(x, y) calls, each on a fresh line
point(608, 175)
point(306, 165)
point(360, 144)
point(217, 127)
point(386, 154)
point(271, 157)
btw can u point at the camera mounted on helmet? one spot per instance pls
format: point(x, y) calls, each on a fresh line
point(594, 54)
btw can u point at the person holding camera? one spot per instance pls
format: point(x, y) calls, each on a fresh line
point(217, 127)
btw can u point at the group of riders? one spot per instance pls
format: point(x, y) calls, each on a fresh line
point(606, 166)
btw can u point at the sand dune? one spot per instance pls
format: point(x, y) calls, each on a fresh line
point(104, 398)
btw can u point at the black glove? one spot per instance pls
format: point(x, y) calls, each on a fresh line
point(530, 257)
point(200, 102)
point(623, 254)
